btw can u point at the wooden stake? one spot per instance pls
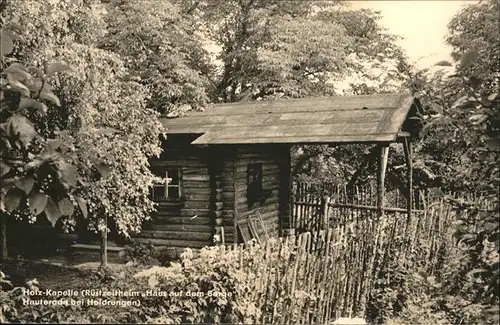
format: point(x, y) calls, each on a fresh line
point(409, 174)
point(382, 165)
point(326, 209)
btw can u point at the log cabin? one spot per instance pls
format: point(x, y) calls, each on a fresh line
point(231, 164)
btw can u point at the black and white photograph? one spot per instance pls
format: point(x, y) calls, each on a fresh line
point(250, 162)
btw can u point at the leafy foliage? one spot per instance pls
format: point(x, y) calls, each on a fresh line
point(7, 306)
point(475, 29)
point(142, 254)
point(208, 286)
point(375, 62)
point(460, 145)
point(475, 108)
point(272, 48)
point(462, 125)
point(159, 43)
point(295, 49)
point(107, 128)
point(36, 175)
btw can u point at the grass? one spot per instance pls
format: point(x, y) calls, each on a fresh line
point(49, 276)
point(65, 277)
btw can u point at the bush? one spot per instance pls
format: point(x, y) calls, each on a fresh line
point(142, 254)
point(212, 285)
point(7, 304)
point(208, 287)
point(413, 289)
point(222, 286)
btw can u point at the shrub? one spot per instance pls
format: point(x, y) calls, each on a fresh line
point(204, 288)
point(142, 254)
point(434, 286)
point(217, 286)
point(210, 286)
point(7, 304)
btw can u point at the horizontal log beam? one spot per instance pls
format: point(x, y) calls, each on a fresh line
point(179, 227)
point(371, 208)
point(187, 191)
point(195, 162)
point(178, 235)
point(173, 242)
point(196, 183)
point(180, 219)
point(198, 178)
point(197, 204)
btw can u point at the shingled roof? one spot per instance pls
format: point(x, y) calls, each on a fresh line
point(342, 119)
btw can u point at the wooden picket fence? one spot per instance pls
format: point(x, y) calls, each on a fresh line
point(321, 206)
point(317, 276)
point(341, 252)
point(294, 284)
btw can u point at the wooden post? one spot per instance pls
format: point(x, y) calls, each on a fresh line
point(409, 174)
point(382, 165)
point(223, 237)
point(104, 244)
point(289, 213)
point(326, 208)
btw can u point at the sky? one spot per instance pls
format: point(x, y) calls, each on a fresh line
point(422, 24)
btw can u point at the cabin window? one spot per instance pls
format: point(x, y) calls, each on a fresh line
point(170, 189)
point(254, 183)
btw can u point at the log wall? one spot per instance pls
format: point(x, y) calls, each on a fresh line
point(223, 163)
point(272, 160)
point(189, 223)
point(214, 193)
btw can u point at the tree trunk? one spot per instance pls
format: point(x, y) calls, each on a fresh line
point(3, 235)
point(104, 245)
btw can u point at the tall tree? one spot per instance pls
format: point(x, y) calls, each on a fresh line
point(272, 47)
point(465, 127)
point(293, 48)
point(460, 131)
point(35, 176)
point(376, 63)
point(161, 47)
point(101, 108)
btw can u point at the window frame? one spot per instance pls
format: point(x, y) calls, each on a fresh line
point(166, 187)
point(255, 188)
